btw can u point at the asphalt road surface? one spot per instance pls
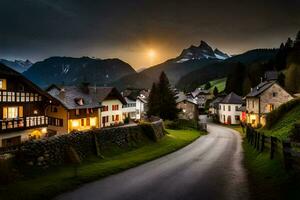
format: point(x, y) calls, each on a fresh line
point(209, 168)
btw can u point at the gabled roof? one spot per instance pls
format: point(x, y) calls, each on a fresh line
point(216, 101)
point(260, 88)
point(68, 96)
point(182, 97)
point(7, 71)
point(232, 98)
point(200, 91)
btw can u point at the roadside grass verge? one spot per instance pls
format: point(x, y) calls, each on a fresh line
point(50, 183)
point(268, 179)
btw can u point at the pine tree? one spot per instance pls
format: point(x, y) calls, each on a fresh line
point(207, 86)
point(167, 99)
point(153, 102)
point(215, 92)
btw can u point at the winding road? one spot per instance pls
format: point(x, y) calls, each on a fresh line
point(209, 168)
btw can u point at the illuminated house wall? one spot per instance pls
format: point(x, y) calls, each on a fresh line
point(111, 113)
point(22, 108)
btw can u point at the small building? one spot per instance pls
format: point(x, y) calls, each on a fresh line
point(188, 107)
point(229, 112)
point(214, 106)
point(136, 107)
point(201, 96)
point(262, 99)
point(129, 109)
point(22, 108)
point(83, 108)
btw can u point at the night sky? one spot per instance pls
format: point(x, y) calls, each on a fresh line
point(129, 29)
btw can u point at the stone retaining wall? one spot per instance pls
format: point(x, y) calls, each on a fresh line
point(53, 151)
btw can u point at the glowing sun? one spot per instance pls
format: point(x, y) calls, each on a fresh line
point(151, 54)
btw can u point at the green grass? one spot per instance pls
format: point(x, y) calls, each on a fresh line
point(52, 182)
point(282, 129)
point(268, 179)
point(219, 83)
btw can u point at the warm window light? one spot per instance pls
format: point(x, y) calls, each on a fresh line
point(93, 121)
point(75, 123)
point(44, 130)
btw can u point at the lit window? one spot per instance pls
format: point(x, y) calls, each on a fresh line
point(12, 112)
point(77, 112)
point(2, 84)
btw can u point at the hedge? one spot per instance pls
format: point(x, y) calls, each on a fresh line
point(275, 115)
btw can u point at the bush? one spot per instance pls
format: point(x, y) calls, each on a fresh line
point(275, 115)
point(182, 124)
point(126, 120)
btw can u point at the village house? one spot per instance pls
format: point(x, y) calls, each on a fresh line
point(262, 99)
point(201, 96)
point(188, 107)
point(229, 112)
point(136, 107)
point(214, 106)
point(83, 108)
point(22, 108)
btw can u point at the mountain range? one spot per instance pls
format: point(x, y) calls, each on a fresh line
point(70, 71)
point(17, 65)
point(194, 66)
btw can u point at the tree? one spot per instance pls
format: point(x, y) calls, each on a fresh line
point(153, 101)
point(281, 79)
point(162, 100)
point(215, 92)
point(207, 85)
point(234, 81)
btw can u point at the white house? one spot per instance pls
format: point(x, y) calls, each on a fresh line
point(129, 109)
point(141, 107)
point(229, 112)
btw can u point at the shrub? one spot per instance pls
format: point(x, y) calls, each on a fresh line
point(275, 115)
point(126, 120)
point(182, 124)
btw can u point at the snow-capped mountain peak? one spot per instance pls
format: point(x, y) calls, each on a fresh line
point(203, 51)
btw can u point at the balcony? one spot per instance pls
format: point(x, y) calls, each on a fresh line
point(23, 123)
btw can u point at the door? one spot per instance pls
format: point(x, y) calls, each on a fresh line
point(229, 119)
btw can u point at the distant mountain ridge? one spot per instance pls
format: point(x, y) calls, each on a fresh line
point(17, 65)
point(190, 59)
point(72, 71)
point(203, 51)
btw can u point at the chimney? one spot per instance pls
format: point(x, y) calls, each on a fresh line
point(261, 79)
point(62, 93)
point(251, 89)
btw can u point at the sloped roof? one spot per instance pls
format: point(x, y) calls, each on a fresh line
point(216, 101)
point(232, 98)
point(7, 71)
point(260, 88)
point(93, 99)
point(182, 97)
point(199, 91)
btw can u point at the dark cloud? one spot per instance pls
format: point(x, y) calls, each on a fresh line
point(37, 29)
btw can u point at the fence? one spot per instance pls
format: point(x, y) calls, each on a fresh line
point(275, 147)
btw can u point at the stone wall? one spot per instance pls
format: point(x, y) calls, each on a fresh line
point(53, 151)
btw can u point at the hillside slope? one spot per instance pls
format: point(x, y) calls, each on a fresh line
point(282, 129)
point(222, 69)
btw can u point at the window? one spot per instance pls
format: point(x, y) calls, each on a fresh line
point(113, 118)
point(236, 108)
point(31, 97)
point(105, 108)
point(229, 108)
point(10, 112)
point(22, 97)
point(27, 97)
point(117, 118)
point(274, 94)
point(82, 122)
point(237, 118)
point(224, 108)
point(115, 107)
point(2, 84)
point(77, 112)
